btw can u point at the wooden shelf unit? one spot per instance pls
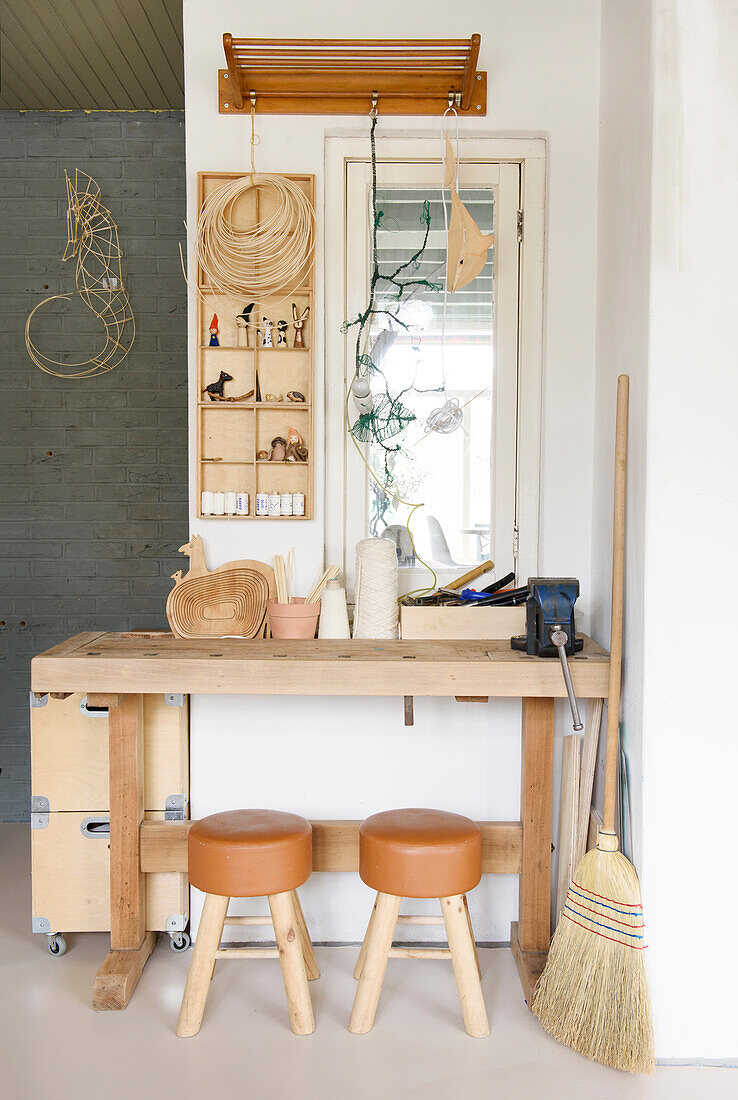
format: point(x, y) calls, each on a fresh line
point(345, 76)
point(231, 433)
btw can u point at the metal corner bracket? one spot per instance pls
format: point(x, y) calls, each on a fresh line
point(175, 807)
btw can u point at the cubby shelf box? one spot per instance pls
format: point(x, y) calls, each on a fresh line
point(347, 76)
point(230, 434)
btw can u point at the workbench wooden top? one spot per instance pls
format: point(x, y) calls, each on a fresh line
point(104, 662)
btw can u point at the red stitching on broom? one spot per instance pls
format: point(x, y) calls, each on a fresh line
point(613, 919)
point(633, 946)
point(630, 904)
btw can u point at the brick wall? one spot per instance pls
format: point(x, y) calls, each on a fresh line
point(93, 473)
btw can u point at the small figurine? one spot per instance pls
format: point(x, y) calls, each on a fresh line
point(279, 449)
point(215, 389)
point(296, 396)
point(262, 456)
point(243, 320)
point(282, 327)
point(266, 335)
point(273, 397)
point(298, 323)
point(214, 342)
point(296, 449)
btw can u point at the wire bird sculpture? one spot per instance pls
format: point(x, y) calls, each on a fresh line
point(385, 416)
point(92, 236)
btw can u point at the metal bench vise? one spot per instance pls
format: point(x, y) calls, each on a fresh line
point(549, 624)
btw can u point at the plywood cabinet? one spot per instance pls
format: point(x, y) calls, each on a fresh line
point(70, 854)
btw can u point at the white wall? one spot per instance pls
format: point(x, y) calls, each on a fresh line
point(690, 738)
point(623, 272)
point(332, 757)
point(667, 242)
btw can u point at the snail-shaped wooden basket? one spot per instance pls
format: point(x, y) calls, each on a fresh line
point(231, 600)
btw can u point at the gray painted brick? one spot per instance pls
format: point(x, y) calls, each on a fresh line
point(86, 543)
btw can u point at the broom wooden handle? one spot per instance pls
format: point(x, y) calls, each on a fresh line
point(616, 621)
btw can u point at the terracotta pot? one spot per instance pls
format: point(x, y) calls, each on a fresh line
point(293, 620)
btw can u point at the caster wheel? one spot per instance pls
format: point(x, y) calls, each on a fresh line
point(57, 945)
point(179, 941)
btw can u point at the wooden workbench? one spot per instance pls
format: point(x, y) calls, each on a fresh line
point(116, 670)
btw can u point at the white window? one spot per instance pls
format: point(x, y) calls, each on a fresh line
point(480, 346)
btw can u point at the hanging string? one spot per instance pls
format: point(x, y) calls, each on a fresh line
point(255, 138)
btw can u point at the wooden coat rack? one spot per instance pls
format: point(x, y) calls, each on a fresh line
point(348, 77)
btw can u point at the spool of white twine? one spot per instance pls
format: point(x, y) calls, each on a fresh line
point(333, 613)
point(376, 614)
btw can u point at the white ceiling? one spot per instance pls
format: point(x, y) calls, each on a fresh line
point(94, 54)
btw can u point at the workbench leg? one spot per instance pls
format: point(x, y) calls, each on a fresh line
point(129, 944)
point(531, 934)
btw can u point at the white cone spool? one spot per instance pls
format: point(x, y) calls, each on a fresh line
point(333, 612)
point(376, 614)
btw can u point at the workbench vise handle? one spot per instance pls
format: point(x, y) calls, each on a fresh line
point(559, 638)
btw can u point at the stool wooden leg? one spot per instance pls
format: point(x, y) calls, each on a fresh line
point(201, 967)
point(294, 975)
point(362, 952)
point(308, 954)
point(471, 933)
point(465, 971)
point(375, 963)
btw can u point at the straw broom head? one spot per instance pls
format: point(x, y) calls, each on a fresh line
point(593, 995)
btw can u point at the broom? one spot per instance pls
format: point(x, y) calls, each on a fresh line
point(593, 994)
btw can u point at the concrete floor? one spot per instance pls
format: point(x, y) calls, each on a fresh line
point(52, 1044)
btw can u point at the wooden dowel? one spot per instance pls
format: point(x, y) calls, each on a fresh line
point(419, 953)
point(421, 918)
point(247, 953)
point(248, 921)
point(616, 630)
point(478, 571)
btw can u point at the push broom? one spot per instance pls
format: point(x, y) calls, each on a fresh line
point(593, 994)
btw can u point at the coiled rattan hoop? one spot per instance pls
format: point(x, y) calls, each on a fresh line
point(261, 259)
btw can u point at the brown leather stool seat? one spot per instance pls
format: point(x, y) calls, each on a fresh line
point(250, 853)
point(417, 853)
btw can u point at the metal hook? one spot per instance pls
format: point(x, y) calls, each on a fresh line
point(375, 100)
point(458, 99)
point(450, 99)
point(252, 97)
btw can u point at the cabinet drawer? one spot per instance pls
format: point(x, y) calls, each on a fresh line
point(70, 883)
point(69, 754)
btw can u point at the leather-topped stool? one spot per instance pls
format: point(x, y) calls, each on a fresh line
point(419, 854)
point(247, 854)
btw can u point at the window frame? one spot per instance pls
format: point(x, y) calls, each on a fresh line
point(530, 155)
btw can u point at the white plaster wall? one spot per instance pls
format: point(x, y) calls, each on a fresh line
point(341, 757)
point(690, 741)
point(667, 241)
point(623, 274)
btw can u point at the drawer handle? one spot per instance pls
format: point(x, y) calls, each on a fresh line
point(95, 827)
point(92, 712)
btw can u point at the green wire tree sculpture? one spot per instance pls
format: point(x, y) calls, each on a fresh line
point(386, 422)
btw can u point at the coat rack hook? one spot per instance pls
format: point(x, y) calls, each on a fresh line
point(451, 101)
point(375, 100)
point(252, 97)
